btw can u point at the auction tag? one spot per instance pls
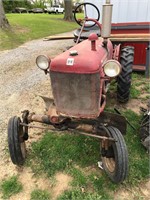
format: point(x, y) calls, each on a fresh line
point(70, 61)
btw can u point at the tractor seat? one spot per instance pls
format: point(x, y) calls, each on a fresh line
point(86, 32)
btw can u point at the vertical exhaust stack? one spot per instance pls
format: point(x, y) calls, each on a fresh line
point(106, 20)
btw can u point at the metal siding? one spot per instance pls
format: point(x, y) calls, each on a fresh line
point(126, 10)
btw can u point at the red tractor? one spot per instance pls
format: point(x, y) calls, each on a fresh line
point(80, 77)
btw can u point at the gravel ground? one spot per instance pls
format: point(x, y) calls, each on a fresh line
point(20, 80)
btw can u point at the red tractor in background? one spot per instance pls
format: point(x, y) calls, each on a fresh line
point(80, 77)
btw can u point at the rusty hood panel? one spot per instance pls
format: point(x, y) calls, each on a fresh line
point(85, 60)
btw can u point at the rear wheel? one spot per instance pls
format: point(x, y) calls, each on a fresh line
point(124, 79)
point(115, 156)
point(16, 141)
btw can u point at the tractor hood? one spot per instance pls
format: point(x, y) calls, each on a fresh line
point(81, 59)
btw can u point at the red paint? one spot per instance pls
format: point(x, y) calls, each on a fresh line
point(135, 31)
point(130, 27)
point(139, 47)
point(116, 52)
point(93, 37)
point(86, 62)
point(82, 59)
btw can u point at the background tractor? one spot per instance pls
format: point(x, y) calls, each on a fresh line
point(80, 77)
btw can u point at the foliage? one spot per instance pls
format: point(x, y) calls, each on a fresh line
point(9, 5)
point(38, 194)
point(10, 187)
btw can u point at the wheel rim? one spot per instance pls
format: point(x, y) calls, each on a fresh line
point(109, 158)
point(23, 149)
point(114, 155)
point(110, 164)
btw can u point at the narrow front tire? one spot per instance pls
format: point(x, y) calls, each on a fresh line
point(16, 141)
point(115, 156)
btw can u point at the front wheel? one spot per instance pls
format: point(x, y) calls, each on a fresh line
point(115, 156)
point(124, 79)
point(16, 141)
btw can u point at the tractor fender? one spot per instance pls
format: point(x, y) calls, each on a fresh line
point(116, 52)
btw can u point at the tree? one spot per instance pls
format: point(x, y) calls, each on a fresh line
point(68, 10)
point(10, 5)
point(3, 20)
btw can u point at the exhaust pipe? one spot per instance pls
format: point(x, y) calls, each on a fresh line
point(106, 20)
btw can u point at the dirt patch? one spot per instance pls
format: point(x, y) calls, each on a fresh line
point(135, 193)
point(135, 104)
point(62, 184)
point(30, 183)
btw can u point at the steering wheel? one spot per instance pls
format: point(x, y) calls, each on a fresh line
point(80, 21)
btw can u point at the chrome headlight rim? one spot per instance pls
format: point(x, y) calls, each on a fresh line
point(117, 65)
point(43, 58)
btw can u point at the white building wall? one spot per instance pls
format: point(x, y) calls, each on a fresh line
point(125, 10)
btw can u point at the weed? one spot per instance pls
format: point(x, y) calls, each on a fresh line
point(77, 194)
point(80, 179)
point(137, 76)
point(147, 87)
point(38, 194)
point(134, 92)
point(10, 187)
point(58, 153)
point(138, 159)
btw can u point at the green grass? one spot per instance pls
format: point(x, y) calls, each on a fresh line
point(55, 154)
point(134, 93)
point(10, 187)
point(38, 194)
point(76, 194)
point(78, 157)
point(140, 85)
point(138, 158)
point(26, 27)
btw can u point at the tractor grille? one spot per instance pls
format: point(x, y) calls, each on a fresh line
point(76, 95)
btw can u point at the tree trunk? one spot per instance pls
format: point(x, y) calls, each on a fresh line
point(3, 20)
point(68, 10)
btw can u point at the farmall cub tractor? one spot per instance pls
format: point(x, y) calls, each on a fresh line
point(79, 79)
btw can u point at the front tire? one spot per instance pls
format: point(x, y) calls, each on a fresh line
point(16, 141)
point(115, 156)
point(124, 79)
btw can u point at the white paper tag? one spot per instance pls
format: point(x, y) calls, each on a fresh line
point(70, 61)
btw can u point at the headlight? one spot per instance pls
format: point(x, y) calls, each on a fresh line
point(43, 62)
point(112, 68)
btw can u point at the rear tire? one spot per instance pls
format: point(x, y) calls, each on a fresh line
point(115, 156)
point(16, 141)
point(124, 79)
